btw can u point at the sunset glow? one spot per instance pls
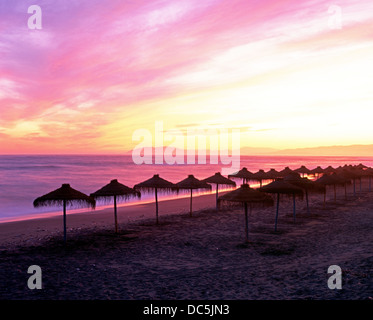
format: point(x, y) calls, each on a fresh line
point(98, 71)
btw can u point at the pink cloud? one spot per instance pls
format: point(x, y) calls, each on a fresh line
point(122, 52)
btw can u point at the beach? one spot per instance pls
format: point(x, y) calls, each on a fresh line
point(202, 257)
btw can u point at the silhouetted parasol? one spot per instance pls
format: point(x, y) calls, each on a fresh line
point(191, 183)
point(303, 170)
point(243, 174)
point(369, 173)
point(330, 180)
point(281, 187)
point(218, 179)
point(260, 176)
point(317, 171)
point(249, 197)
point(117, 191)
point(329, 170)
point(361, 166)
point(345, 176)
point(273, 174)
point(285, 172)
point(154, 184)
point(307, 185)
point(65, 196)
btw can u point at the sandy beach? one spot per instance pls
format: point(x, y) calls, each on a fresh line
point(199, 257)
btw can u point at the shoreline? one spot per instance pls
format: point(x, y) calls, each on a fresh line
point(203, 257)
point(36, 228)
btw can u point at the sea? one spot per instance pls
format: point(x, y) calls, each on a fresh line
point(23, 178)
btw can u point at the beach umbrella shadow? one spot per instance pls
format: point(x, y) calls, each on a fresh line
point(117, 191)
point(250, 198)
point(155, 184)
point(65, 196)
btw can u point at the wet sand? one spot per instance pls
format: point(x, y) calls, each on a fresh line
point(198, 257)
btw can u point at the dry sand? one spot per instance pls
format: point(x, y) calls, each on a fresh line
point(199, 257)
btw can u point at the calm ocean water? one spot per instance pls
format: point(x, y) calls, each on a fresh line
point(26, 177)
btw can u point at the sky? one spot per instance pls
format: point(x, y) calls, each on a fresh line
point(286, 74)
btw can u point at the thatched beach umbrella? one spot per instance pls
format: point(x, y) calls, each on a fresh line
point(317, 171)
point(154, 184)
point(285, 172)
point(260, 176)
point(218, 179)
point(329, 170)
point(273, 174)
point(117, 191)
point(306, 184)
point(65, 196)
point(303, 170)
point(345, 176)
point(361, 166)
point(250, 198)
point(369, 173)
point(330, 180)
point(191, 183)
point(281, 187)
point(243, 174)
point(359, 174)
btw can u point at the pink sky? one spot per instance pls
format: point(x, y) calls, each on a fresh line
point(97, 71)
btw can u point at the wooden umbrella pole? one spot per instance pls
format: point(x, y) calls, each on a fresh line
point(191, 201)
point(278, 205)
point(308, 206)
point(354, 187)
point(345, 191)
point(294, 207)
point(370, 183)
point(156, 205)
point(335, 193)
point(115, 214)
point(64, 221)
point(217, 188)
point(246, 224)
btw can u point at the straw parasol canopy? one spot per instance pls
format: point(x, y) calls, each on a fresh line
point(361, 166)
point(154, 184)
point(218, 179)
point(65, 196)
point(191, 183)
point(329, 170)
point(282, 187)
point(243, 174)
point(260, 176)
point(317, 171)
point(306, 184)
point(249, 197)
point(117, 191)
point(303, 170)
point(285, 172)
point(273, 174)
